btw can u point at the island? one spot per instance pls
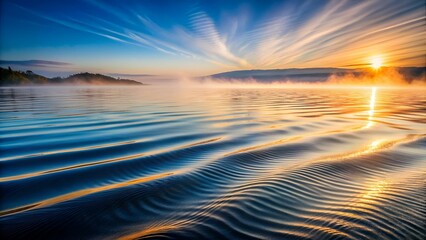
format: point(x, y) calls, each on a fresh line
point(9, 77)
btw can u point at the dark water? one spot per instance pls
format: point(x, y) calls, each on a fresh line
point(146, 162)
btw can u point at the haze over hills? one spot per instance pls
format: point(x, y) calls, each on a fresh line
point(388, 75)
point(9, 77)
point(408, 74)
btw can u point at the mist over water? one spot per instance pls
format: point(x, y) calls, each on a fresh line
point(204, 163)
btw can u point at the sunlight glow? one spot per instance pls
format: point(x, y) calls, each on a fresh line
point(376, 62)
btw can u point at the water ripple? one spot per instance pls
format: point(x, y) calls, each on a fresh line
point(102, 163)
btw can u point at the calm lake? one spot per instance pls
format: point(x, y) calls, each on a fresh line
point(173, 163)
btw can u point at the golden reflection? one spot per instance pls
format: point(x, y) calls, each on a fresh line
point(372, 105)
point(83, 192)
point(375, 190)
point(366, 201)
point(22, 176)
point(375, 144)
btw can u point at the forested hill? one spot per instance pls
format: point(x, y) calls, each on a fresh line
point(9, 77)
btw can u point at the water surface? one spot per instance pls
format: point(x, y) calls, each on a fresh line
point(175, 163)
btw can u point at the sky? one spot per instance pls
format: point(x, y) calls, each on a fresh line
point(195, 38)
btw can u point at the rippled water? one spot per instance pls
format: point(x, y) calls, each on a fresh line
point(176, 163)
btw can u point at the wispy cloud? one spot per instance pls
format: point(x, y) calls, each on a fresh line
point(35, 63)
point(339, 33)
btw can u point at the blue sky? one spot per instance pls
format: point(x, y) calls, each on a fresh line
point(204, 37)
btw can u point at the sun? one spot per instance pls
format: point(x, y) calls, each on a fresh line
point(376, 62)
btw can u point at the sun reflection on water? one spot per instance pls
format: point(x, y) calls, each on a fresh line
point(374, 191)
point(375, 144)
point(372, 105)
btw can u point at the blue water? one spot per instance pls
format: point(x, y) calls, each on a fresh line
point(189, 163)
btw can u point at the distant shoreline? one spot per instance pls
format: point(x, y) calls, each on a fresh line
point(11, 78)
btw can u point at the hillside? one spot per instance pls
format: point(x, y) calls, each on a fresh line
point(9, 77)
